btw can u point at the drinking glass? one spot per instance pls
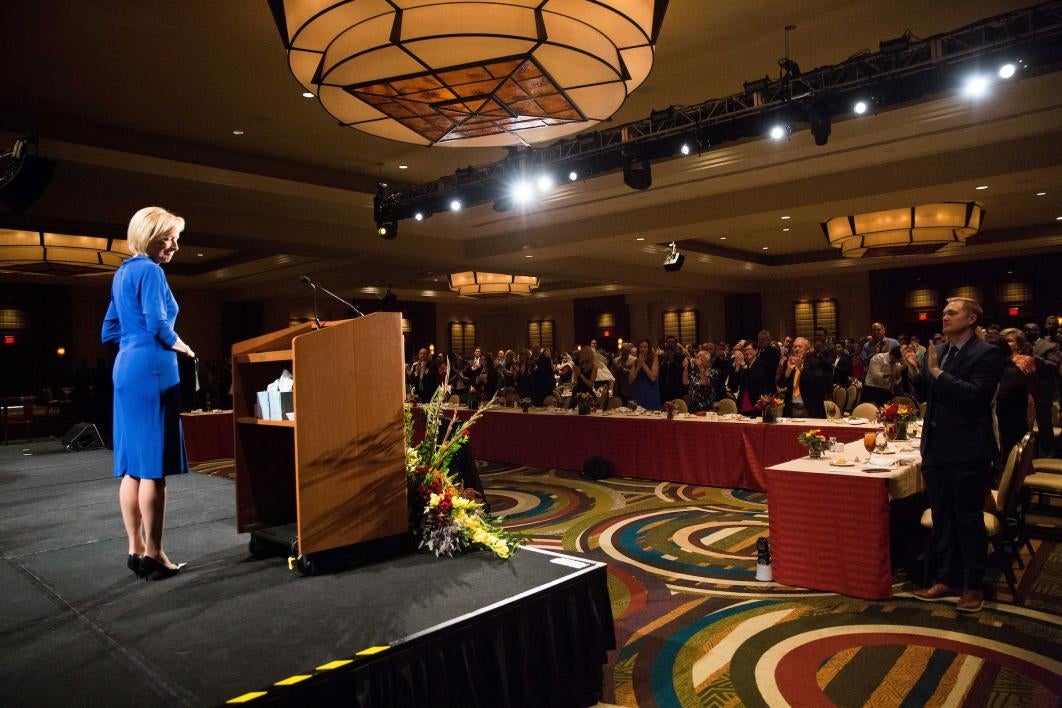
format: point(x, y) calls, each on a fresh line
point(881, 441)
point(870, 440)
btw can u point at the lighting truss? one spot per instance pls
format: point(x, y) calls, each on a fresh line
point(898, 73)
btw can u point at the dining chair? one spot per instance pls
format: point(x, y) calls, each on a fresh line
point(840, 397)
point(853, 392)
point(832, 411)
point(679, 406)
point(726, 406)
point(904, 400)
point(550, 401)
point(866, 410)
point(614, 403)
point(454, 399)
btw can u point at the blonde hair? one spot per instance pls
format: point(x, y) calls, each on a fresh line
point(971, 306)
point(149, 225)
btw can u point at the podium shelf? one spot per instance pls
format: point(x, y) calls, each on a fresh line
point(262, 357)
point(251, 420)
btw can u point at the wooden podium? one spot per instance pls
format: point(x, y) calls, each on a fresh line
point(338, 470)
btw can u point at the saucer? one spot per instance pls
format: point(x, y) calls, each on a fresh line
point(849, 463)
point(857, 421)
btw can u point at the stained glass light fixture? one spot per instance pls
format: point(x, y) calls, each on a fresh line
point(477, 284)
point(470, 72)
point(926, 228)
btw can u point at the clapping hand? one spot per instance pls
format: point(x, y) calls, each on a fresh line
point(910, 355)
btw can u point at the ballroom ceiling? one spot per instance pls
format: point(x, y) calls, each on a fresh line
point(138, 103)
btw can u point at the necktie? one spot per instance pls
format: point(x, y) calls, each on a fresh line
point(796, 384)
point(948, 350)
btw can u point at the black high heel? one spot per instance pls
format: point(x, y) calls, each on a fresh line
point(151, 569)
point(134, 564)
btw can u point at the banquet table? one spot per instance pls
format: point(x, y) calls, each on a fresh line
point(208, 435)
point(829, 525)
point(688, 449)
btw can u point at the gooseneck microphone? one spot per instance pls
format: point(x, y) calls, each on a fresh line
point(305, 280)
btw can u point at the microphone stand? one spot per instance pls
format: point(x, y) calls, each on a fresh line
point(306, 280)
point(331, 294)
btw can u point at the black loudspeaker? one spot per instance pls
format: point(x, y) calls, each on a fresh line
point(83, 436)
point(30, 182)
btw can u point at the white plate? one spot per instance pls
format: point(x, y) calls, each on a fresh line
point(799, 420)
point(857, 421)
point(842, 464)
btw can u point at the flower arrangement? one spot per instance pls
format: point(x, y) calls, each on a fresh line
point(768, 400)
point(444, 517)
point(584, 402)
point(810, 438)
point(898, 413)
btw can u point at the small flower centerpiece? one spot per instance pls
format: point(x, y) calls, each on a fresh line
point(896, 416)
point(814, 441)
point(669, 409)
point(525, 404)
point(444, 517)
point(584, 402)
point(768, 405)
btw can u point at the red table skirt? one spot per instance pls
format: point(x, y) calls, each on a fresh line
point(715, 454)
point(830, 532)
point(208, 436)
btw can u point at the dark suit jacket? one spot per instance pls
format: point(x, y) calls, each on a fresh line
point(958, 423)
point(759, 380)
point(816, 385)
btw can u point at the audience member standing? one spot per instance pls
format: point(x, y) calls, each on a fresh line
point(876, 343)
point(1045, 354)
point(672, 366)
point(958, 447)
point(807, 379)
point(644, 376)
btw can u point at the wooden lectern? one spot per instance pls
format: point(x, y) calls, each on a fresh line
point(338, 469)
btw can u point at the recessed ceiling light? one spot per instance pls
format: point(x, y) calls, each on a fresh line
point(722, 238)
point(1058, 218)
point(307, 94)
point(765, 248)
point(199, 254)
point(237, 132)
point(786, 217)
point(639, 238)
point(786, 228)
point(403, 167)
point(529, 256)
point(1040, 194)
point(981, 186)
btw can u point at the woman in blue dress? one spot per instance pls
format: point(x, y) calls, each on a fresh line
point(148, 441)
point(644, 377)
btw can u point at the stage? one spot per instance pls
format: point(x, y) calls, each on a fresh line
point(78, 628)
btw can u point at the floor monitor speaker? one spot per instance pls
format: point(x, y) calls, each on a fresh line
point(83, 436)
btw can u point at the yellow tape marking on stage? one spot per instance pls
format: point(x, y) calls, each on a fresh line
point(292, 680)
point(372, 650)
point(246, 697)
point(334, 664)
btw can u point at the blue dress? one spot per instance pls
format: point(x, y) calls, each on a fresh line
point(148, 439)
point(646, 392)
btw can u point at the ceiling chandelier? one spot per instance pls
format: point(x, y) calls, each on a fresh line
point(926, 228)
point(42, 253)
point(471, 73)
point(476, 284)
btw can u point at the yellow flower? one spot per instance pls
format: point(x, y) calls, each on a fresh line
point(433, 500)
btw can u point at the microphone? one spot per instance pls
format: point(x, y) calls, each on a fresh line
point(305, 280)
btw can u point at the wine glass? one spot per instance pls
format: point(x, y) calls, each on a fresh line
point(881, 441)
point(870, 440)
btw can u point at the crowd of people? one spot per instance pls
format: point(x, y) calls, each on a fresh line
point(801, 372)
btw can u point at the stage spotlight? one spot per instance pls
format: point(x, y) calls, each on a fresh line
point(685, 149)
point(674, 260)
point(544, 183)
point(778, 131)
point(522, 193)
point(455, 205)
point(637, 172)
point(572, 176)
point(976, 86)
point(387, 230)
point(1007, 70)
point(860, 107)
point(419, 216)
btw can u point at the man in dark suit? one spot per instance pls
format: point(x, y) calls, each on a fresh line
point(807, 380)
point(958, 445)
point(762, 372)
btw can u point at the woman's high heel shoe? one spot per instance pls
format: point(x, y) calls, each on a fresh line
point(134, 564)
point(151, 569)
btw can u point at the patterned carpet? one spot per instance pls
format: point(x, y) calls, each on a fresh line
point(694, 627)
